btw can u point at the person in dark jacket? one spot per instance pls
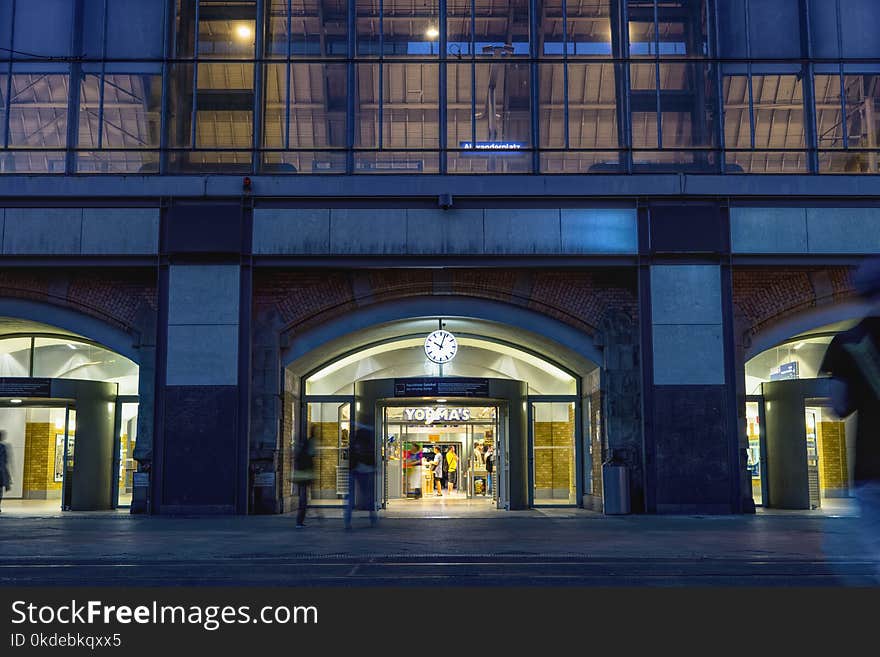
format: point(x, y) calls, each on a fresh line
point(853, 359)
point(304, 473)
point(362, 475)
point(5, 477)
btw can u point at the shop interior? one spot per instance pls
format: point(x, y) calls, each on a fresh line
point(410, 436)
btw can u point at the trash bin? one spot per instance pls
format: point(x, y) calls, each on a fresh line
point(615, 488)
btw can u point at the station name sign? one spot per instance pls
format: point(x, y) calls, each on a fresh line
point(429, 415)
point(22, 387)
point(441, 387)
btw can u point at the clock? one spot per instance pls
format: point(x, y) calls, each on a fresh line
point(441, 346)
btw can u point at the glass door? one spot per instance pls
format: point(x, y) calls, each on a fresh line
point(69, 458)
point(830, 451)
point(502, 468)
point(554, 477)
point(328, 424)
point(756, 449)
point(126, 438)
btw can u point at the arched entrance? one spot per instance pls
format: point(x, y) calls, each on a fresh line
point(525, 394)
point(800, 453)
point(69, 408)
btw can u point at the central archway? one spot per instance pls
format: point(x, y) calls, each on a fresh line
point(552, 367)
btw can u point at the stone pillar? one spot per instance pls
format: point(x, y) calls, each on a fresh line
point(203, 404)
point(691, 441)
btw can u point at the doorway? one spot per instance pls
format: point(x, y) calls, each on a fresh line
point(461, 436)
point(40, 444)
point(807, 450)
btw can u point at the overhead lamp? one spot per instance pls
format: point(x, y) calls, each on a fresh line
point(441, 401)
point(432, 32)
point(14, 401)
point(244, 32)
point(799, 345)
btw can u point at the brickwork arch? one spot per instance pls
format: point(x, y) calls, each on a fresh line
point(578, 298)
point(774, 303)
point(117, 310)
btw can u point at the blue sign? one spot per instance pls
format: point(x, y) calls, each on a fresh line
point(784, 372)
point(503, 147)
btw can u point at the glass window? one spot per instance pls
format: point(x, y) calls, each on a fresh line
point(488, 117)
point(43, 28)
point(59, 358)
point(37, 122)
point(578, 110)
point(397, 28)
point(768, 116)
point(404, 116)
point(4, 96)
point(130, 29)
point(860, 129)
point(553, 435)
point(121, 113)
point(847, 23)
point(305, 111)
point(588, 28)
point(127, 442)
point(217, 119)
point(307, 28)
point(759, 29)
point(796, 359)
point(15, 357)
point(328, 424)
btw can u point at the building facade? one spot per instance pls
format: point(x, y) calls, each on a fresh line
point(228, 225)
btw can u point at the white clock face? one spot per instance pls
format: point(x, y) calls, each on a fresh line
point(441, 346)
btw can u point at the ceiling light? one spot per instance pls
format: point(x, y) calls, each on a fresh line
point(799, 345)
point(441, 401)
point(14, 401)
point(243, 32)
point(432, 32)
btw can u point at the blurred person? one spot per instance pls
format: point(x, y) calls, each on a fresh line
point(490, 467)
point(853, 359)
point(362, 474)
point(304, 473)
point(5, 477)
point(437, 465)
point(451, 469)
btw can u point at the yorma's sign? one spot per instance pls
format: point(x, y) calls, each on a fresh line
point(430, 414)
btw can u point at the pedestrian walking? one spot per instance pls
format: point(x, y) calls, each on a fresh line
point(304, 473)
point(5, 477)
point(853, 359)
point(362, 475)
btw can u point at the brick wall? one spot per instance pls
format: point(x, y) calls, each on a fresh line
point(766, 295)
point(38, 481)
point(118, 297)
point(576, 297)
point(833, 476)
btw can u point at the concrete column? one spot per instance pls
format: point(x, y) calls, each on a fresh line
point(201, 467)
point(691, 395)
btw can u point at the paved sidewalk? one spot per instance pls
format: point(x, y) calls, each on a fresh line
point(562, 546)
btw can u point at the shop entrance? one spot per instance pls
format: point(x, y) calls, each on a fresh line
point(807, 457)
point(467, 437)
point(61, 444)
